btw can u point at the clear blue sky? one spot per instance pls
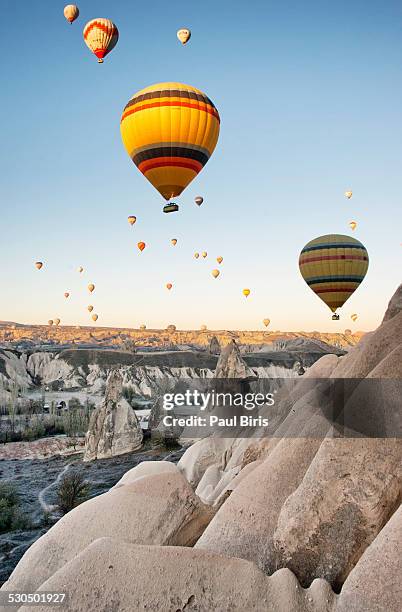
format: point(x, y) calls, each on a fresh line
point(310, 97)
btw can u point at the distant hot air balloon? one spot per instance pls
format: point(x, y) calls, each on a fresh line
point(80, 269)
point(246, 292)
point(203, 327)
point(168, 154)
point(348, 332)
point(38, 265)
point(333, 266)
point(353, 225)
point(174, 241)
point(90, 308)
point(184, 35)
point(71, 12)
point(132, 219)
point(66, 295)
point(95, 317)
point(348, 194)
point(215, 273)
point(204, 254)
point(91, 287)
point(143, 327)
point(169, 286)
point(50, 322)
point(266, 322)
point(353, 317)
point(101, 36)
point(196, 255)
point(57, 322)
point(219, 259)
point(141, 246)
point(198, 200)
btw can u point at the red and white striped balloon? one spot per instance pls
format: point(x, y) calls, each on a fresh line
point(101, 36)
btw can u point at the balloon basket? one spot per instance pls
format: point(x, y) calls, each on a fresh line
point(170, 208)
point(335, 317)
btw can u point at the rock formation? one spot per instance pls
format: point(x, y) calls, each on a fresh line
point(232, 365)
point(113, 428)
point(214, 348)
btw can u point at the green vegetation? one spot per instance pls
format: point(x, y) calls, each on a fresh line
point(72, 491)
point(11, 517)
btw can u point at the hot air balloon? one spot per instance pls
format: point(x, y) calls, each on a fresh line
point(196, 255)
point(348, 194)
point(91, 287)
point(80, 269)
point(71, 12)
point(170, 131)
point(246, 292)
point(353, 225)
point(203, 327)
point(141, 246)
point(57, 322)
point(266, 322)
point(333, 266)
point(143, 327)
point(198, 200)
point(66, 295)
point(174, 241)
point(353, 317)
point(50, 322)
point(90, 308)
point(219, 259)
point(204, 254)
point(169, 286)
point(183, 35)
point(132, 219)
point(101, 36)
point(215, 273)
point(38, 265)
point(348, 332)
point(95, 317)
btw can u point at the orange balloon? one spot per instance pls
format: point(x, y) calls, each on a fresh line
point(219, 259)
point(215, 273)
point(94, 317)
point(169, 286)
point(91, 287)
point(141, 246)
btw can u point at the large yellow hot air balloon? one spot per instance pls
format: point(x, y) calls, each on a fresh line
point(333, 266)
point(215, 273)
point(266, 322)
point(38, 265)
point(184, 35)
point(132, 219)
point(91, 287)
point(170, 131)
point(71, 12)
point(246, 292)
point(101, 36)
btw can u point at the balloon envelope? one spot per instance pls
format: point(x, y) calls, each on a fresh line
point(204, 254)
point(246, 292)
point(90, 308)
point(198, 200)
point(57, 321)
point(141, 246)
point(101, 36)
point(196, 255)
point(266, 322)
point(174, 241)
point(50, 322)
point(66, 295)
point(132, 219)
point(170, 131)
point(348, 194)
point(71, 12)
point(219, 260)
point(333, 266)
point(353, 225)
point(95, 317)
point(215, 273)
point(353, 317)
point(169, 286)
point(184, 35)
point(91, 287)
point(38, 265)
